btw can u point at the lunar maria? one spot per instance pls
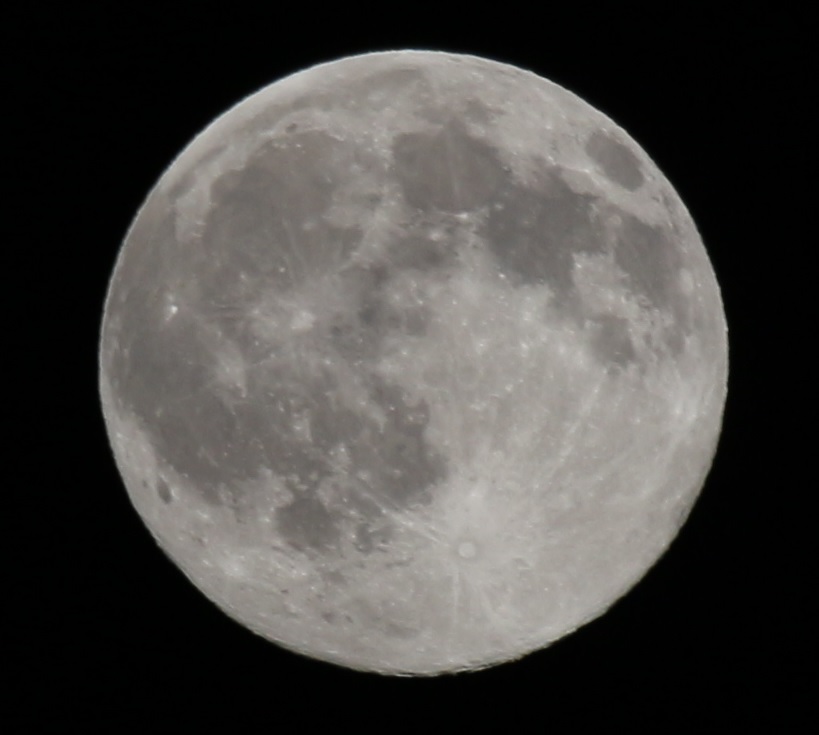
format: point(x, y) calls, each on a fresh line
point(413, 362)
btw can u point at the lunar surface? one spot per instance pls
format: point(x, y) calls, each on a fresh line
point(413, 362)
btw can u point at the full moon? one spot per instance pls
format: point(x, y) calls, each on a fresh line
point(413, 362)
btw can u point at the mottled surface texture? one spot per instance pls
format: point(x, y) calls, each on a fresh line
point(413, 362)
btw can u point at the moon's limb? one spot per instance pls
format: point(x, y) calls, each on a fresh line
point(413, 362)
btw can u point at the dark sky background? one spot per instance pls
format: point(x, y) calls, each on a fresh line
point(720, 636)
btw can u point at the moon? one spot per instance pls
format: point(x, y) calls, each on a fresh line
point(413, 362)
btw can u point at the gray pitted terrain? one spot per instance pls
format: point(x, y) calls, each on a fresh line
point(413, 362)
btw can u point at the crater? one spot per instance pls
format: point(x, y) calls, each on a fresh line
point(615, 159)
point(163, 491)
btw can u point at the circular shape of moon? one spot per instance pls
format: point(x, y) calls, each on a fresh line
point(413, 362)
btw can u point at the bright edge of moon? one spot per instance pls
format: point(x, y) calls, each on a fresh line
point(413, 362)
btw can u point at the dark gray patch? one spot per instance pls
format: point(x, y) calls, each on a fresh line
point(675, 336)
point(357, 334)
point(352, 339)
point(393, 81)
point(421, 253)
point(214, 442)
point(162, 368)
point(163, 491)
point(415, 321)
point(348, 334)
point(380, 316)
point(162, 375)
point(207, 442)
point(403, 466)
point(477, 111)
point(332, 423)
point(611, 342)
point(392, 465)
point(536, 231)
point(307, 524)
point(615, 159)
point(649, 259)
point(266, 228)
point(370, 536)
point(217, 445)
point(446, 170)
point(396, 630)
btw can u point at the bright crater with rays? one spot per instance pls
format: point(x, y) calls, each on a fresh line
point(413, 362)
